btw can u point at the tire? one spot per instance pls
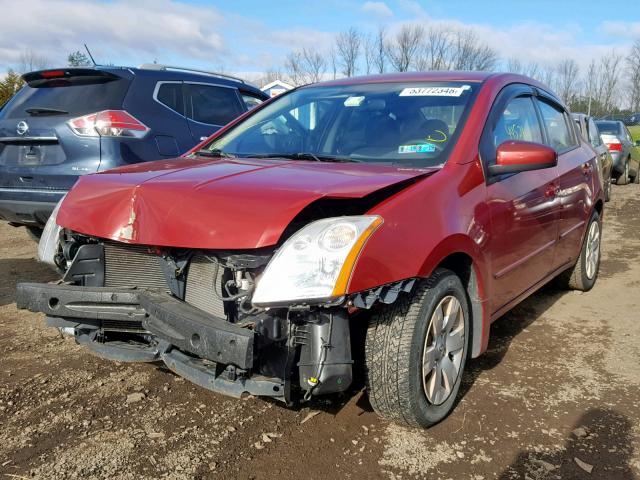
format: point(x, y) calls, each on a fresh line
point(583, 275)
point(623, 179)
point(400, 336)
point(636, 178)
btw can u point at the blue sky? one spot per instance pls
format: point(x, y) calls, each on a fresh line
point(252, 36)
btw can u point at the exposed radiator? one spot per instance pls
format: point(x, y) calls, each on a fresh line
point(132, 266)
point(200, 284)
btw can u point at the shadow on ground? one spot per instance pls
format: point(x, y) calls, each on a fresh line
point(601, 442)
point(16, 270)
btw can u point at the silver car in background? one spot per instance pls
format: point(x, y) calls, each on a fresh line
point(623, 151)
point(589, 130)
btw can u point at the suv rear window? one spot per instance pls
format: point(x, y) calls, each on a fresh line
point(212, 105)
point(76, 99)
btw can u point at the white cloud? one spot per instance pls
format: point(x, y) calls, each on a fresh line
point(378, 9)
point(621, 29)
point(143, 29)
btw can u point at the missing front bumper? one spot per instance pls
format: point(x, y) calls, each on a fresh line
point(190, 342)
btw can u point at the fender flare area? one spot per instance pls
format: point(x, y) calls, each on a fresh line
point(462, 255)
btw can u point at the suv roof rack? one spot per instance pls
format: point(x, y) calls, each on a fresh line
point(158, 66)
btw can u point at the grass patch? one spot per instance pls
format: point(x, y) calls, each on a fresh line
point(634, 130)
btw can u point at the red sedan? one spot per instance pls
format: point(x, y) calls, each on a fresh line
point(417, 208)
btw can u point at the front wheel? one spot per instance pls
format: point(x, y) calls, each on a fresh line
point(416, 350)
point(582, 276)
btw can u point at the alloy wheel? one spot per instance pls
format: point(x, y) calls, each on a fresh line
point(443, 350)
point(592, 254)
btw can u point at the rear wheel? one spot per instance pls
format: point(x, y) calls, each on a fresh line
point(623, 179)
point(416, 350)
point(583, 275)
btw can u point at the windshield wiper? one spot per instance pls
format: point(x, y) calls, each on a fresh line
point(307, 156)
point(215, 153)
point(35, 111)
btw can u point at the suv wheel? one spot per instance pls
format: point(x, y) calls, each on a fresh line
point(416, 350)
point(623, 179)
point(582, 276)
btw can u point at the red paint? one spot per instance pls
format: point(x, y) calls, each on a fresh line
point(518, 232)
point(514, 153)
point(212, 204)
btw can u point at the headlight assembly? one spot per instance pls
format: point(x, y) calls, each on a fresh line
point(316, 262)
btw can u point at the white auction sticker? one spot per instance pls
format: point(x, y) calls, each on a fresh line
point(434, 91)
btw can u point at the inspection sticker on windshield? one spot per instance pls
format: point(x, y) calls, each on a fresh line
point(420, 148)
point(434, 91)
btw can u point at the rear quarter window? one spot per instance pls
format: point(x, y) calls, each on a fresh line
point(77, 99)
point(170, 95)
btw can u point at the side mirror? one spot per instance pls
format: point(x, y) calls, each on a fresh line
point(517, 156)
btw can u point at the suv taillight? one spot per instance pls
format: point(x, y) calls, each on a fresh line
point(108, 123)
point(614, 147)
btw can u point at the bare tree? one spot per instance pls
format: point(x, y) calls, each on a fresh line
point(403, 48)
point(633, 72)
point(29, 61)
point(305, 66)
point(435, 51)
point(470, 53)
point(380, 56)
point(333, 60)
point(567, 80)
point(348, 44)
point(609, 73)
point(369, 51)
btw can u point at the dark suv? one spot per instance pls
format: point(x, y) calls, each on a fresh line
point(72, 121)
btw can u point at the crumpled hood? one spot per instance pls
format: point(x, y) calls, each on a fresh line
point(213, 203)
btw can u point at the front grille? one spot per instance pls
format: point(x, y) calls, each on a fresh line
point(200, 284)
point(132, 266)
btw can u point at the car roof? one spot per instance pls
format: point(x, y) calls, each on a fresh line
point(440, 76)
point(160, 72)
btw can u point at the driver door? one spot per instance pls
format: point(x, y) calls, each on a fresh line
point(523, 207)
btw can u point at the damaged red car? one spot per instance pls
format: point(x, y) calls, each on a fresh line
point(375, 225)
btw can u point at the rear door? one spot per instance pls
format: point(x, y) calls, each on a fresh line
point(38, 150)
point(577, 171)
point(208, 107)
point(603, 156)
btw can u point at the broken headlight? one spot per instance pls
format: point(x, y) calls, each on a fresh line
point(316, 262)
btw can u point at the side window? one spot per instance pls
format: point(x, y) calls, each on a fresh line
point(594, 134)
point(559, 130)
point(250, 101)
point(518, 121)
point(170, 95)
point(212, 105)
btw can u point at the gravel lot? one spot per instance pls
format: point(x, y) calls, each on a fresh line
point(556, 396)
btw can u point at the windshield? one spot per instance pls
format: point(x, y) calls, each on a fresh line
point(610, 128)
point(405, 123)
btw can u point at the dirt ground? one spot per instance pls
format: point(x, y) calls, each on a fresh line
point(557, 396)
